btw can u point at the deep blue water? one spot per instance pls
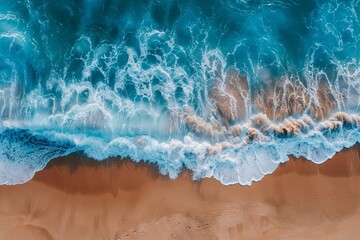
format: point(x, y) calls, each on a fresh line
point(224, 88)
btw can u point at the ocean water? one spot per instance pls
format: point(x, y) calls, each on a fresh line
point(226, 88)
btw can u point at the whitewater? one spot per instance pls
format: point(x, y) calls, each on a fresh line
point(226, 89)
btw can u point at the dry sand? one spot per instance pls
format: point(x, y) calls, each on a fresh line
point(78, 198)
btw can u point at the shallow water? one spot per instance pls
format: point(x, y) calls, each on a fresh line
point(227, 89)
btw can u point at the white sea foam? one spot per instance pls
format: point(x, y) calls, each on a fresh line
point(227, 93)
point(238, 160)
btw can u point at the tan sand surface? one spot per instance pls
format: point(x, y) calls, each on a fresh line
point(75, 198)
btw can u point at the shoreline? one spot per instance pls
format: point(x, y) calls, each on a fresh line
point(79, 198)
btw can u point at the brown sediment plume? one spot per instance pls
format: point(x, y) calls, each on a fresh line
point(282, 98)
point(325, 102)
point(231, 95)
point(298, 107)
point(261, 122)
point(218, 147)
point(254, 133)
point(202, 128)
point(260, 125)
point(79, 198)
point(235, 130)
point(293, 126)
point(277, 98)
point(348, 119)
point(330, 125)
point(288, 97)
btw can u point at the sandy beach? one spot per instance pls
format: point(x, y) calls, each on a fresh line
point(78, 198)
point(167, 120)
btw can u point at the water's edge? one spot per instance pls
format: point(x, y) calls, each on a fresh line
point(25, 152)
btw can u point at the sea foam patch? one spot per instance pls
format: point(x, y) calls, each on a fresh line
point(239, 159)
point(227, 89)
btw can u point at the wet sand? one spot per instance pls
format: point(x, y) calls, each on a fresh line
point(79, 198)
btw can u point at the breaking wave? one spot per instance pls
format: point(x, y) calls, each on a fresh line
point(227, 89)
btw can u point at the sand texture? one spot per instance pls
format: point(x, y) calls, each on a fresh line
point(75, 198)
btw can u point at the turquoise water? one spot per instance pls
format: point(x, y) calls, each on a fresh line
point(227, 89)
